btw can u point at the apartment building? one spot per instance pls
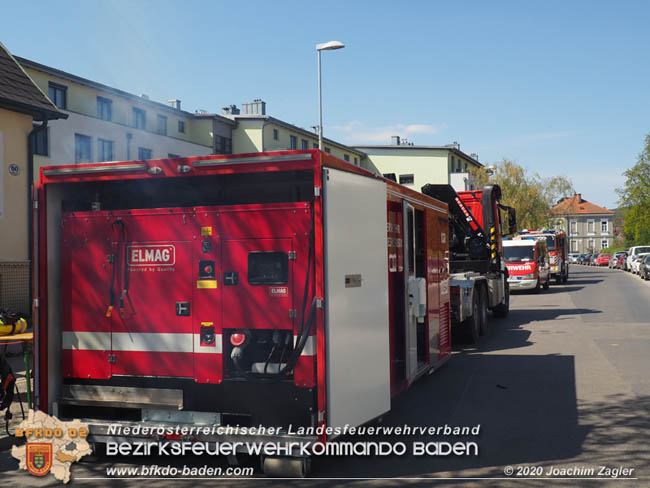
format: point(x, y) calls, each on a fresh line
point(255, 131)
point(108, 124)
point(24, 112)
point(590, 227)
point(415, 166)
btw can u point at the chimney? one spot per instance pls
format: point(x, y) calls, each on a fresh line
point(256, 107)
point(145, 96)
point(176, 103)
point(474, 156)
point(394, 140)
point(579, 197)
point(230, 110)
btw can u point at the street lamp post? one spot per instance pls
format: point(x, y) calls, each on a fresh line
point(326, 46)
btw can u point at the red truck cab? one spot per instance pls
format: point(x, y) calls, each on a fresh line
point(528, 264)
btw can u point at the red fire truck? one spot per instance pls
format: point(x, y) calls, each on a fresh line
point(558, 251)
point(274, 289)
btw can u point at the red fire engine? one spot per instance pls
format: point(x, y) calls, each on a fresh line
point(558, 250)
point(276, 289)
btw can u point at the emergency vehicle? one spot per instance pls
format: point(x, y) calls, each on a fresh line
point(558, 250)
point(528, 264)
point(273, 289)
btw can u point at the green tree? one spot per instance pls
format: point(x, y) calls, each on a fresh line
point(635, 198)
point(531, 195)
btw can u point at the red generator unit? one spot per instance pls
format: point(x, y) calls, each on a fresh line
point(273, 289)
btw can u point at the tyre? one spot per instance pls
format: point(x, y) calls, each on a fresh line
point(472, 324)
point(537, 287)
point(483, 308)
point(558, 280)
point(502, 309)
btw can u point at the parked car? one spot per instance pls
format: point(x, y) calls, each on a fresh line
point(636, 261)
point(633, 252)
point(591, 258)
point(573, 258)
point(603, 259)
point(614, 260)
point(584, 258)
point(622, 261)
point(644, 268)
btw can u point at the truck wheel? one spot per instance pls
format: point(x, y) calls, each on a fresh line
point(483, 308)
point(286, 467)
point(558, 280)
point(472, 324)
point(502, 309)
point(537, 287)
point(565, 278)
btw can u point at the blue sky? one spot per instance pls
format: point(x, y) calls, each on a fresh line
point(562, 88)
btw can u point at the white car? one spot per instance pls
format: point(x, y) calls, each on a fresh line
point(634, 252)
point(573, 258)
point(636, 262)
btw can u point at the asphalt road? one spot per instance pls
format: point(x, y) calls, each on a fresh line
point(562, 382)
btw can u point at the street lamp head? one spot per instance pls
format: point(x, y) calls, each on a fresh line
point(329, 46)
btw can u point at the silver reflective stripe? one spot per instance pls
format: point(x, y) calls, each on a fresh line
point(143, 342)
point(104, 168)
point(255, 159)
point(310, 345)
point(91, 341)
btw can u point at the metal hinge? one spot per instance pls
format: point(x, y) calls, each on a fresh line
point(36, 303)
point(292, 255)
point(35, 204)
point(321, 415)
point(317, 191)
point(319, 303)
point(292, 313)
point(111, 358)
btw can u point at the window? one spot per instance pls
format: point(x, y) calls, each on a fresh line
point(574, 246)
point(161, 125)
point(293, 142)
point(170, 155)
point(590, 245)
point(224, 145)
point(41, 142)
point(275, 134)
point(82, 149)
point(453, 164)
point(574, 227)
point(328, 150)
point(105, 150)
point(591, 228)
point(604, 227)
point(139, 118)
point(304, 144)
point(604, 244)
point(314, 146)
point(346, 157)
point(406, 179)
point(356, 161)
point(144, 153)
point(104, 108)
point(268, 268)
point(58, 94)
point(181, 126)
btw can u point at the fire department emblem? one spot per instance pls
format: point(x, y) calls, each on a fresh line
point(39, 458)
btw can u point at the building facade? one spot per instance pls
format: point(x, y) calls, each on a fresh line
point(257, 132)
point(589, 227)
point(415, 166)
point(107, 124)
point(24, 111)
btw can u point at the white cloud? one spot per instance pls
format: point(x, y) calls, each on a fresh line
point(356, 132)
